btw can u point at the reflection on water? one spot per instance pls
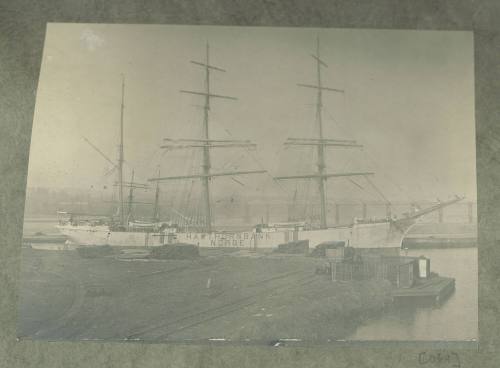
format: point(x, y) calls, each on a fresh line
point(455, 319)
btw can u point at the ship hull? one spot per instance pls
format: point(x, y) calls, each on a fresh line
point(366, 235)
point(101, 235)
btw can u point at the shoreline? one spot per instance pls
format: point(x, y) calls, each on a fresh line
point(431, 242)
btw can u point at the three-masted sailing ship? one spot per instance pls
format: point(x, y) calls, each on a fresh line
point(386, 232)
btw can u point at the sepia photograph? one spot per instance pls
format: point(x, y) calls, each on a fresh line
point(251, 185)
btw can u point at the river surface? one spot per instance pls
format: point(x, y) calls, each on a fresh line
point(456, 319)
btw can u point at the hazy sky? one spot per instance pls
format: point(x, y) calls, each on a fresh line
point(409, 99)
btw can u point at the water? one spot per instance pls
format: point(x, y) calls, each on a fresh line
point(455, 319)
point(45, 225)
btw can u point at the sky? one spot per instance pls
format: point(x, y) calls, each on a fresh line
point(409, 100)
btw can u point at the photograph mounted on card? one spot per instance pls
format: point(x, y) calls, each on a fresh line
point(251, 185)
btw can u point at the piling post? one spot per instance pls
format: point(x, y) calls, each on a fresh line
point(333, 270)
point(410, 275)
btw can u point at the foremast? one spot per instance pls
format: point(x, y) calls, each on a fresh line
point(320, 142)
point(205, 143)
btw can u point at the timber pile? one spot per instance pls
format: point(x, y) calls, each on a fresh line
point(95, 252)
point(176, 251)
point(294, 247)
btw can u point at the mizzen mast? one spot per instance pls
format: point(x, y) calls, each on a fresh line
point(124, 216)
point(121, 159)
point(320, 142)
point(132, 185)
point(118, 165)
point(156, 207)
point(206, 144)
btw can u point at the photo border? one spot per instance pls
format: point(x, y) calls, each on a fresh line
point(22, 32)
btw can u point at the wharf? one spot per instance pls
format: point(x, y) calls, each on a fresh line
point(439, 242)
point(435, 289)
point(218, 297)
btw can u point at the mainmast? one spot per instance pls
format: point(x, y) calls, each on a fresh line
point(321, 151)
point(206, 150)
point(320, 142)
point(206, 144)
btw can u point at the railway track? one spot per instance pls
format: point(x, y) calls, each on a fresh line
point(236, 294)
point(50, 328)
point(163, 330)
